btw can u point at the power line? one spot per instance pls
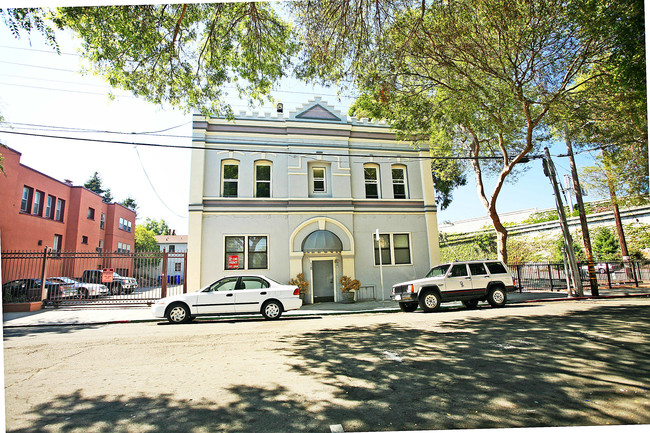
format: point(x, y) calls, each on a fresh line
point(230, 149)
point(152, 187)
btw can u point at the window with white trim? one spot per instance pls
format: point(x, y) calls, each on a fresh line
point(102, 221)
point(26, 202)
point(395, 249)
point(60, 209)
point(371, 180)
point(263, 178)
point(245, 252)
point(58, 243)
point(318, 179)
point(399, 181)
point(39, 198)
point(49, 208)
point(230, 178)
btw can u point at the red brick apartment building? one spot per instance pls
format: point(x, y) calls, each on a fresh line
point(38, 211)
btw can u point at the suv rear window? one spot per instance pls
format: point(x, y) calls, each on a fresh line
point(496, 268)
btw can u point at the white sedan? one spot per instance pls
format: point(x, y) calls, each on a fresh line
point(235, 294)
point(79, 289)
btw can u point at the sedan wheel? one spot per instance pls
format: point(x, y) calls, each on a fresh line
point(272, 310)
point(178, 313)
point(83, 293)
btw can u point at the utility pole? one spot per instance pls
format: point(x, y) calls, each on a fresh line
point(593, 282)
point(549, 171)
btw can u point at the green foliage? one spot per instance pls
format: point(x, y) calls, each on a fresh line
point(605, 245)
point(95, 184)
point(186, 54)
point(638, 239)
point(157, 227)
point(557, 254)
point(130, 203)
point(145, 239)
point(108, 196)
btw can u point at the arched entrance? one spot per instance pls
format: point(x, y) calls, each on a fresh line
point(323, 248)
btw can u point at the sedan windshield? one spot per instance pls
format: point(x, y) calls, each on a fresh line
point(438, 271)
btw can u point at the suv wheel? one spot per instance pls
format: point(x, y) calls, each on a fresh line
point(408, 307)
point(429, 301)
point(497, 297)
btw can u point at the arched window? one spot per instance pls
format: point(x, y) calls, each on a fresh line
point(263, 171)
point(400, 189)
point(229, 178)
point(371, 180)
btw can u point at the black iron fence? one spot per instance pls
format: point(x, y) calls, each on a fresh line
point(553, 276)
point(87, 278)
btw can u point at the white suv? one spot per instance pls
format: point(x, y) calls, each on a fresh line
point(469, 282)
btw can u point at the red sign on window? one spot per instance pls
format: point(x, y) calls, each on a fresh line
point(233, 262)
point(107, 275)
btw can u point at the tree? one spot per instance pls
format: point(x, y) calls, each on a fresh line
point(95, 184)
point(108, 196)
point(605, 245)
point(145, 239)
point(130, 203)
point(192, 56)
point(157, 227)
point(467, 76)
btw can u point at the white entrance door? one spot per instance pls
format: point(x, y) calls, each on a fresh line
point(323, 280)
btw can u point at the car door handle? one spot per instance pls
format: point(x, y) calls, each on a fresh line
point(229, 295)
point(263, 293)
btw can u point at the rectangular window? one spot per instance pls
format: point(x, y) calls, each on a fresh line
point(262, 180)
point(39, 198)
point(318, 175)
point(101, 246)
point(246, 252)
point(402, 249)
point(178, 267)
point(119, 247)
point(172, 248)
point(58, 243)
point(91, 213)
point(102, 221)
point(496, 268)
point(26, 202)
point(84, 240)
point(49, 209)
point(399, 182)
point(60, 209)
point(230, 180)
point(121, 225)
point(128, 226)
point(395, 249)
point(371, 178)
point(235, 252)
point(384, 246)
point(257, 253)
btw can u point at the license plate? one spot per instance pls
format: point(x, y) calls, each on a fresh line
point(398, 297)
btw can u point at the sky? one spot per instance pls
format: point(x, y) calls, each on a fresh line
point(42, 93)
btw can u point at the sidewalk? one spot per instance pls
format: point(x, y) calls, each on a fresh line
point(128, 314)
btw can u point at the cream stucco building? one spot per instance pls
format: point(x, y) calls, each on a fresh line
point(305, 192)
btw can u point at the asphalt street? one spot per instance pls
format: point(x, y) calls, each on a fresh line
point(525, 365)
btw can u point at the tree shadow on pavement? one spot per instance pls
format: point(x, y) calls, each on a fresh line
point(580, 368)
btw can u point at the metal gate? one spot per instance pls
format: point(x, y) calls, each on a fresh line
point(92, 278)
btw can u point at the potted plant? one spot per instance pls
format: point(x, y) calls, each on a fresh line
point(348, 287)
point(302, 284)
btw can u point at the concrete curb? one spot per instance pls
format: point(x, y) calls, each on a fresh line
point(298, 314)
